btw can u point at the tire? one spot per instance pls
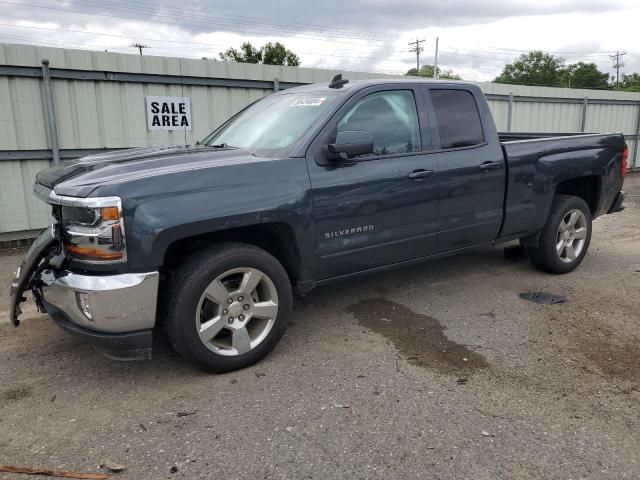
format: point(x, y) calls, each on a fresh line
point(559, 251)
point(197, 307)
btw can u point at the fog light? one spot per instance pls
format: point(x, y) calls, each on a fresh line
point(84, 304)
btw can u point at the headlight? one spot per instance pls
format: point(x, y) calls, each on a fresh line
point(93, 229)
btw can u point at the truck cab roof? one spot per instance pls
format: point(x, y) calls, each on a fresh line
point(355, 85)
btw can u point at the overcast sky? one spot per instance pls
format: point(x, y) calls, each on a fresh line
point(477, 37)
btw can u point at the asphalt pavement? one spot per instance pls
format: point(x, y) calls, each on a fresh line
point(435, 371)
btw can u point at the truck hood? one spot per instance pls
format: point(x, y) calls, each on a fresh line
point(81, 178)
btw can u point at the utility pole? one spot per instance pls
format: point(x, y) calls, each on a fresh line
point(139, 46)
point(435, 61)
point(617, 64)
point(418, 49)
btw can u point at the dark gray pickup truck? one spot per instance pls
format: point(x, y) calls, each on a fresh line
point(207, 243)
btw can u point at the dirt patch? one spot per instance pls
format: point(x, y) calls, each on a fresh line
point(16, 393)
point(619, 360)
point(419, 337)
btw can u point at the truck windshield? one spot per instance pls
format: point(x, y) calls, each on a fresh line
point(273, 123)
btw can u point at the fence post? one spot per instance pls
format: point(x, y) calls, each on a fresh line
point(51, 114)
point(276, 85)
point(635, 145)
point(583, 122)
point(510, 112)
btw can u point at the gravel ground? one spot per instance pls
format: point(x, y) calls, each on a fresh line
point(436, 371)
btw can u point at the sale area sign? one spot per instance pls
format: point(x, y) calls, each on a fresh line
point(168, 113)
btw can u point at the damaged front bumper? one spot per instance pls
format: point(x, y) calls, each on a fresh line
point(116, 313)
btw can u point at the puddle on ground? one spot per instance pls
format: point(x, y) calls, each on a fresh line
point(418, 337)
point(614, 360)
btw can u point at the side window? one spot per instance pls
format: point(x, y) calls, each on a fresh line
point(457, 117)
point(391, 117)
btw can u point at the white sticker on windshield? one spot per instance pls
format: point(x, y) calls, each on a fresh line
point(308, 102)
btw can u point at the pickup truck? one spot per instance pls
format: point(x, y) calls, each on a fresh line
point(206, 244)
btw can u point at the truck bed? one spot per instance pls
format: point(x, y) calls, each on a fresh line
point(539, 163)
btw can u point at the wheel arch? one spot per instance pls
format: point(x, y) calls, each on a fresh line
point(277, 238)
point(587, 187)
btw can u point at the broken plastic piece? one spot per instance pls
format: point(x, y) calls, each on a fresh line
point(544, 297)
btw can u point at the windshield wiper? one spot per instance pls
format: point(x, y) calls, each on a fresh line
point(221, 145)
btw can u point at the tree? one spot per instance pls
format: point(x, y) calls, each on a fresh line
point(268, 54)
point(544, 69)
point(631, 82)
point(585, 75)
point(277, 54)
point(427, 71)
point(534, 68)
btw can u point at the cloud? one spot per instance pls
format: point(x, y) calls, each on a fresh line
point(476, 37)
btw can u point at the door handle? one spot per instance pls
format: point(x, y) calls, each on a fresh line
point(490, 165)
point(421, 173)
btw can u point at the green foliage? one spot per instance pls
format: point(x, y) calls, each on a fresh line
point(534, 68)
point(427, 71)
point(268, 54)
point(277, 54)
point(585, 75)
point(544, 69)
point(631, 83)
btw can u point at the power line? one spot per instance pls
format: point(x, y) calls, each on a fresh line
point(418, 49)
point(321, 54)
point(333, 40)
point(225, 28)
point(189, 13)
point(249, 20)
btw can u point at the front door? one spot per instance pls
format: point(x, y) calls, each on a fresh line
point(380, 208)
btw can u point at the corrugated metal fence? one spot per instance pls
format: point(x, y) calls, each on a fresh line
point(99, 102)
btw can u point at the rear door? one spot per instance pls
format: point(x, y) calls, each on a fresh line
point(380, 208)
point(471, 169)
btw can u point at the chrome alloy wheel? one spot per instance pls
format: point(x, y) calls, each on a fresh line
point(237, 311)
point(571, 237)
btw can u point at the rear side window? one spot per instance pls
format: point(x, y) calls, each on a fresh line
point(457, 117)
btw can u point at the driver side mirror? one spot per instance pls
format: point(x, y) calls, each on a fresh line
point(351, 143)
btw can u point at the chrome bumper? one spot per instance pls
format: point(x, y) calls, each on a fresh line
point(107, 304)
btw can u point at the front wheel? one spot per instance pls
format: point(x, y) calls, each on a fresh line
point(565, 237)
point(228, 307)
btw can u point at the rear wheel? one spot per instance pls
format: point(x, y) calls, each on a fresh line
point(565, 237)
point(228, 306)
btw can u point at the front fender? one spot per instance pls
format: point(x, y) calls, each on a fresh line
point(153, 224)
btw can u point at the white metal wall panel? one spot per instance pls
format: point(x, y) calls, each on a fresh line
point(612, 118)
point(22, 107)
point(500, 111)
point(19, 209)
point(105, 114)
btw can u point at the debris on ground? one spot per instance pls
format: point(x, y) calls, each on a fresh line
point(260, 374)
point(186, 414)
point(340, 405)
point(173, 469)
point(544, 297)
point(486, 434)
point(52, 473)
point(462, 381)
point(114, 467)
